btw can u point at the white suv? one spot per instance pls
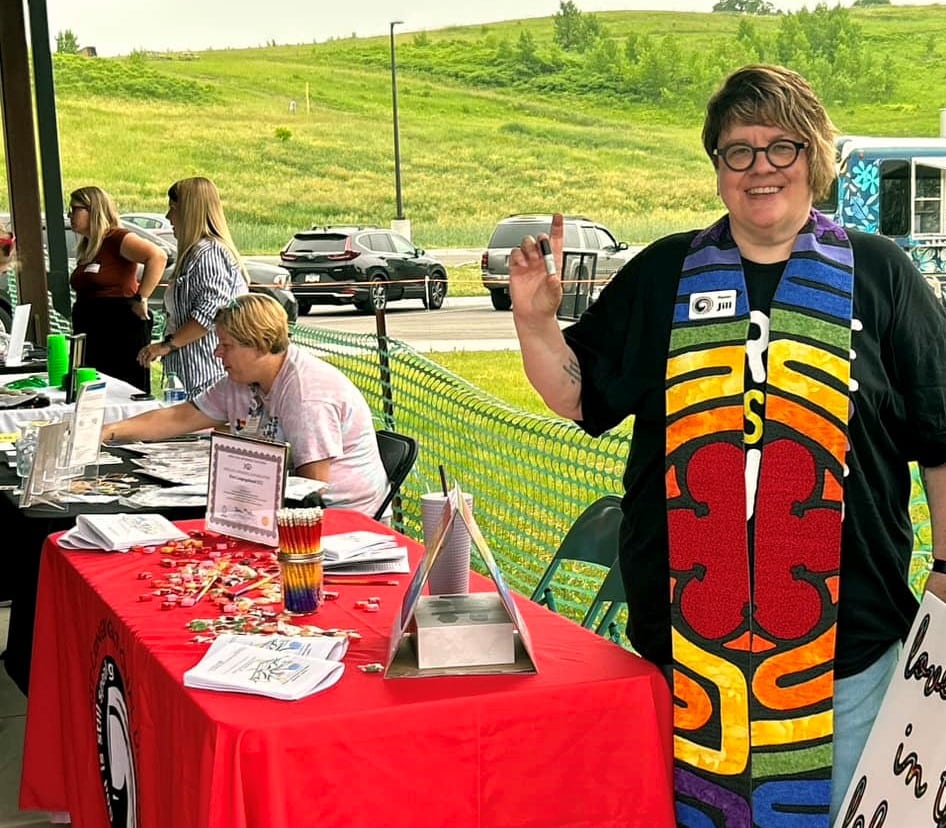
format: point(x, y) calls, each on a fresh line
point(582, 235)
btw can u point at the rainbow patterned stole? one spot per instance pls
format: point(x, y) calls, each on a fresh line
point(753, 624)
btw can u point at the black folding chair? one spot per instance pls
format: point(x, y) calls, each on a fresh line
point(609, 599)
point(398, 454)
point(593, 539)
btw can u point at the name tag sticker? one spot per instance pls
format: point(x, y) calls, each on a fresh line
point(94, 267)
point(713, 305)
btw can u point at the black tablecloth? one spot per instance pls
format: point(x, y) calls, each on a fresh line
point(26, 529)
point(30, 367)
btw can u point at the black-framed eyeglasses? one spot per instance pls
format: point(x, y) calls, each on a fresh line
point(739, 157)
point(74, 208)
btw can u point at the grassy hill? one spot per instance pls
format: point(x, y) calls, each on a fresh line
point(478, 141)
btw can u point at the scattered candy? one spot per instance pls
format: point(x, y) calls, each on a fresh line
point(145, 576)
point(371, 668)
point(145, 596)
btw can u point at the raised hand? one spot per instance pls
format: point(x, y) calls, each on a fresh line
point(536, 295)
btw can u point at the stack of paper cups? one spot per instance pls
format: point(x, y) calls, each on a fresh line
point(57, 358)
point(450, 574)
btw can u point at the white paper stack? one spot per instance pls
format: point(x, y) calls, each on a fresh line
point(281, 667)
point(120, 532)
point(363, 553)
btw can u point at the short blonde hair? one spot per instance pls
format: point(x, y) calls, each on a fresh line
point(775, 96)
point(256, 320)
point(200, 216)
point(103, 217)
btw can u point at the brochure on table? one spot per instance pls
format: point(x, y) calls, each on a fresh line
point(120, 532)
point(403, 660)
point(285, 668)
point(21, 318)
point(85, 435)
point(900, 779)
point(245, 487)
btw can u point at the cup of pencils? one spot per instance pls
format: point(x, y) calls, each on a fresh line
point(300, 559)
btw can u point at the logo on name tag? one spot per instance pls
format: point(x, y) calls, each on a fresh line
point(713, 305)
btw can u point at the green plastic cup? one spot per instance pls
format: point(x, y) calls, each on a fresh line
point(57, 358)
point(84, 375)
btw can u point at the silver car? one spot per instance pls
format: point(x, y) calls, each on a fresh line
point(593, 255)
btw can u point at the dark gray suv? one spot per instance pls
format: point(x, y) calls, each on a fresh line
point(582, 236)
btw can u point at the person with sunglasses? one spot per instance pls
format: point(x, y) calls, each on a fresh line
point(111, 306)
point(782, 371)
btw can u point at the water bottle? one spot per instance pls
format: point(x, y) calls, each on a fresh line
point(174, 391)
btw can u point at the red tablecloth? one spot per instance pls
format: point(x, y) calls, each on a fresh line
point(585, 742)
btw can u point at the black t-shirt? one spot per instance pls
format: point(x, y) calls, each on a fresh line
point(899, 415)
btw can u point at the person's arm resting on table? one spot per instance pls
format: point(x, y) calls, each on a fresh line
point(160, 424)
point(319, 470)
point(550, 364)
point(935, 479)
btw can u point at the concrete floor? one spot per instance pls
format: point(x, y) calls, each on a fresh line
point(12, 724)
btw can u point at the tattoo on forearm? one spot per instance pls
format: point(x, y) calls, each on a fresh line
point(573, 370)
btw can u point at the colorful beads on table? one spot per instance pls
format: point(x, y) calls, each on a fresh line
point(216, 567)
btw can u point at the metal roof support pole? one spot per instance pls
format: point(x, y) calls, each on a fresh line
point(50, 166)
point(22, 167)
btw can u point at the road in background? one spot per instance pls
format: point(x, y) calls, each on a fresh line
point(464, 323)
point(451, 257)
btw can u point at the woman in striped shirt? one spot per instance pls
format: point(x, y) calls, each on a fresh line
point(207, 276)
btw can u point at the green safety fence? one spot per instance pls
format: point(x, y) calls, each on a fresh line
point(530, 476)
point(58, 324)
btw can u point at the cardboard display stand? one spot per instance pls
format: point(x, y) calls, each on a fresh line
point(450, 635)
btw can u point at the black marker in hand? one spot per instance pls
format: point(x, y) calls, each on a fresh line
point(546, 250)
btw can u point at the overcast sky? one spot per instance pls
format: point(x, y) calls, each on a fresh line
point(119, 26)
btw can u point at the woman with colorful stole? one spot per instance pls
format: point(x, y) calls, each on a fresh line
point(782, 372)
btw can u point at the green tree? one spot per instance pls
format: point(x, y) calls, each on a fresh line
point(747, 35)
point(745, 7)
point(567, 25)
point(526, 52)
point(574, 31)
point(864, 3)
point(827, 47)
point(67, 43)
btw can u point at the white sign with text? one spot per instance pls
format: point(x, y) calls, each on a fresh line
point(900, 779)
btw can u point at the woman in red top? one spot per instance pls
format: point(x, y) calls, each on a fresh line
point(111, 306)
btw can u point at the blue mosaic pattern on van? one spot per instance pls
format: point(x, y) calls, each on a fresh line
point(861, 209)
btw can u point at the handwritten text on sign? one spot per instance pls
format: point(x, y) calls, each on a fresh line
point(901, 777)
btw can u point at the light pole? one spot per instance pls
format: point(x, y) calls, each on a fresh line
point(397, 138)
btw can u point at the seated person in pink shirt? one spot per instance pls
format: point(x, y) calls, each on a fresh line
point(277, 391)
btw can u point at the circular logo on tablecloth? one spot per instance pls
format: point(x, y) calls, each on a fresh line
point(114, 743)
